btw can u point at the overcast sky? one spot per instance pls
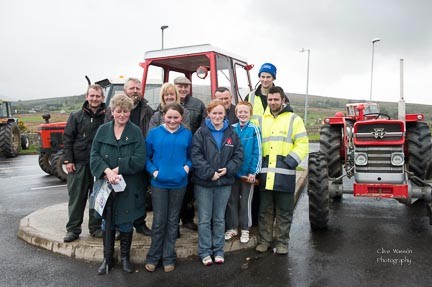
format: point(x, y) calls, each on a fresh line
point(47, 46)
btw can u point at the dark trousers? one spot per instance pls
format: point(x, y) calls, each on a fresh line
point(187, 212)
point(80, 185)
point(166, 210)
point(276, 209)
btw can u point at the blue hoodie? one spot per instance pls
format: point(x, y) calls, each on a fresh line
point(250, 137)
point(217, 134)
point(168, 153)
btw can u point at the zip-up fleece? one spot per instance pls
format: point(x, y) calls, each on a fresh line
point(207, 158)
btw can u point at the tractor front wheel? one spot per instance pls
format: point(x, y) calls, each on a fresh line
point(44, 162)
point(58, 167)
point(419, 149)
point(319, 200)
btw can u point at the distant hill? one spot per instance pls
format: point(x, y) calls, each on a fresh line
point(66, 104)
point(318, 106)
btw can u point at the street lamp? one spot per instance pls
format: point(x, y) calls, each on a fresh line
point(163, 28)
point(307, 85)
point(373, 48)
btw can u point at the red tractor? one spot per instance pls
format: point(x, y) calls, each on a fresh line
point(206, 66)
point(51, 147)
point(386, 158)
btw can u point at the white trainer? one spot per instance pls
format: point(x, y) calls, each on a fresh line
point(244, 238)
point(230, 233)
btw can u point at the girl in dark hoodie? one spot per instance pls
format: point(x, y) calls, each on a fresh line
point(217, 155)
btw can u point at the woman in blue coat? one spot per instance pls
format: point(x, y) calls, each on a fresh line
point(168, 162)
point(119, 149)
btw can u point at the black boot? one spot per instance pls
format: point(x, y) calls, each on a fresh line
point(125, 246)
point(108, 244)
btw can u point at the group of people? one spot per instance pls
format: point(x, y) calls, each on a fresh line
point(215, 154)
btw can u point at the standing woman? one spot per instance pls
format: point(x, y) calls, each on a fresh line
point(217, 155)
point(168, 94)
point(119, 149)
point(168, 162)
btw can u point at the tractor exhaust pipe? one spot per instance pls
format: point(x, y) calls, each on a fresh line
point(401, 103)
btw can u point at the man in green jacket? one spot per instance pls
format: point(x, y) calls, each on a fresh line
point(80, 130)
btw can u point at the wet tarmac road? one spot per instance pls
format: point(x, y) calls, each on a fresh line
point(368, 243)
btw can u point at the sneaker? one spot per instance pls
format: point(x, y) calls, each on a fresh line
point(169, 268)
point(207, 261)
point(281, 250)
point(262, 247)
point(230, 233)
point(150, 267)
point(244, 238)
point(70, 236)
point(97, 234)
point(219, 259)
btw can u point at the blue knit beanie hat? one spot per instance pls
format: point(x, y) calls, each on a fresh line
point(268, 68)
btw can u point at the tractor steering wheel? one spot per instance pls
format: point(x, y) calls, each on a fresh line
point(378, 115)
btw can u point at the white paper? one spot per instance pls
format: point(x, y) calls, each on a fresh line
point(120, 186)
point(102, 198)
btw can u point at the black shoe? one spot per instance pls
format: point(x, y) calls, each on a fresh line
point(97, 234)
point(191, 226)
point(143, 229)
point(70, 236)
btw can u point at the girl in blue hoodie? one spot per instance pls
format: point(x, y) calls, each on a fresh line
point(239, 209)
point(168, 162)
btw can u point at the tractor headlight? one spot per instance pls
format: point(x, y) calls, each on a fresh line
point(360, 158)
point(397, 159)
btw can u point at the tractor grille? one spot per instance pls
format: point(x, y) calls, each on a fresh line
point(379, 159)
point(379, 133)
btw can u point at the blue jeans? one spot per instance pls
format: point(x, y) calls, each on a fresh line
point(166, 211)
point(212, 203)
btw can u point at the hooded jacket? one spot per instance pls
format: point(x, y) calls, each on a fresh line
point(79, 132)
point(285, 144)
point(168, 153)
point(207, 157)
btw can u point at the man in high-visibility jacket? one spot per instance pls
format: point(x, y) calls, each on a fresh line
point(285, 144)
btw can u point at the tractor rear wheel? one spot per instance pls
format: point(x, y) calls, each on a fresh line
point(58, 167)
point(319, 200)
point(419, 149)
point(330, 145)
point(10, 139)
point(45, 163)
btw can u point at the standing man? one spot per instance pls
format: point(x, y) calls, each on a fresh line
point(258, 100)
point(197, 114)
point(225, 96)
point(285, 144)
point(141, 114)
point(78, 135)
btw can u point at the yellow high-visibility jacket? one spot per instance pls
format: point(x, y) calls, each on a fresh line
point(285, 144)
point(258, 108)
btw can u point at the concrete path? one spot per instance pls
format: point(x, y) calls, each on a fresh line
point(45, 228)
